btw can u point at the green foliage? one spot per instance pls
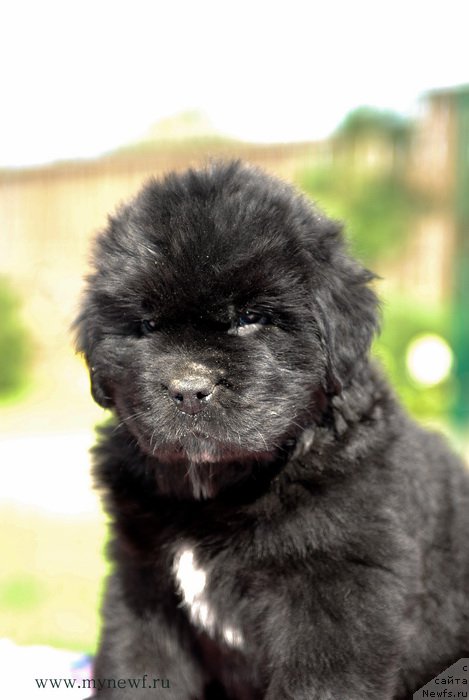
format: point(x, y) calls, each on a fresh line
point(362, 180)
point(403, 320)
point(378, 208)
point(15, 346)
point(20, 591)
point(51, 579)
point(368, 120)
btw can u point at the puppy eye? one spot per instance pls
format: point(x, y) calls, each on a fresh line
point(148, 326)
point(248, 318)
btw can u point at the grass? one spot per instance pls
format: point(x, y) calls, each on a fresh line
point(51, 579)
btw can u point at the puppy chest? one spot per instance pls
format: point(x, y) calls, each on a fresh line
point(208, 607)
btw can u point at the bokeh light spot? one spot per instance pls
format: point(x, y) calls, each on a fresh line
point(429, 359)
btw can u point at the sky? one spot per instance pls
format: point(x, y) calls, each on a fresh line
point(81, 78)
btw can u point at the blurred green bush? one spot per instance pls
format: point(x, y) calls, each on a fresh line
point(402, 321)
point(362, 180)
point(15, 343)
point(378, 208)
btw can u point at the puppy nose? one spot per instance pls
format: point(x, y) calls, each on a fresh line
point(191, 394)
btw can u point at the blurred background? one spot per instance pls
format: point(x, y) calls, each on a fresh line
point(364, 106)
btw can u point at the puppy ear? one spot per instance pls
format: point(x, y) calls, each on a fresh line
point(332, 382)
point(347, 313)
point(87, 337)
point(98, 390)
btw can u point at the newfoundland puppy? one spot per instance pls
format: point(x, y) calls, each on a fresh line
point(281, 530)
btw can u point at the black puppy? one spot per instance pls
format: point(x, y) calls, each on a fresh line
point(281, 529)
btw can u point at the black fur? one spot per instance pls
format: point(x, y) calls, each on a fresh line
point(325, 534)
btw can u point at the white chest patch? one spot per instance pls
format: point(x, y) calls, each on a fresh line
point(192, 584)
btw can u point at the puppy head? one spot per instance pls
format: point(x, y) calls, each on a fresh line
point(221, 313)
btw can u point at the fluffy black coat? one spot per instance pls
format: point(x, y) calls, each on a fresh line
point(281, 529)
